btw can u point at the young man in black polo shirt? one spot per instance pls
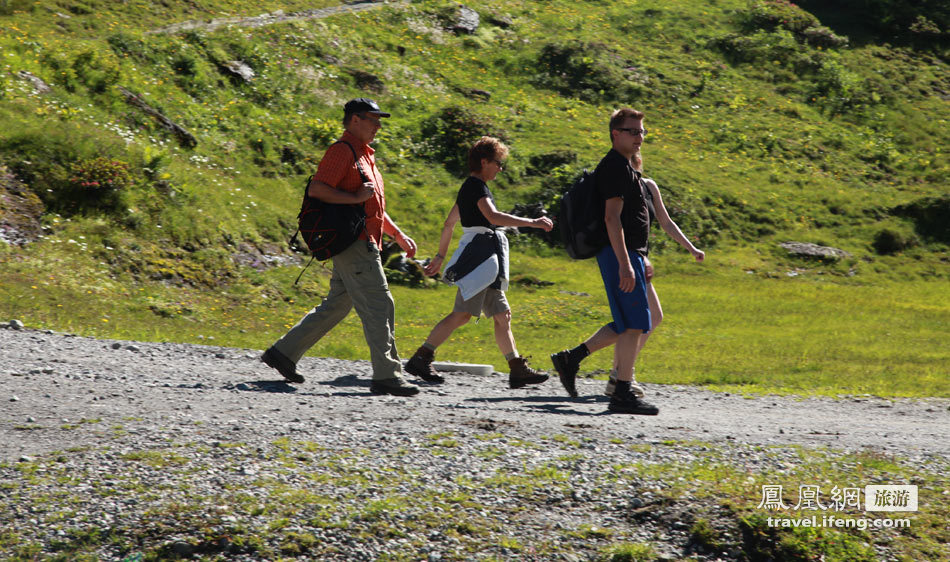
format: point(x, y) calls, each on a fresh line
point(623, 263)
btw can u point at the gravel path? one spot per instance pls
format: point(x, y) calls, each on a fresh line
point(162, 445)
point(49, 377)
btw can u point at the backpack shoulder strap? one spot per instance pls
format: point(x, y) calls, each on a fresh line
point(356, 159)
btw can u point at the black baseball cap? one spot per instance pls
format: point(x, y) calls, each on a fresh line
point(363, 105)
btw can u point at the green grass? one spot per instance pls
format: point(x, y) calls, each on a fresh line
point(753, 143)
point(723, 327)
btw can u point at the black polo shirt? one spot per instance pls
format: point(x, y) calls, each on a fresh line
point(616, 178)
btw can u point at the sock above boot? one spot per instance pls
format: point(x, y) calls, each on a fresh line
point(623, 388)
point(578, 354)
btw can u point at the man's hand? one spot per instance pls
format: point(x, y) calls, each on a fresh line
point(699, 255)
point(407, 244)
point(628, 279)
point(543, 223)
point(364, 192)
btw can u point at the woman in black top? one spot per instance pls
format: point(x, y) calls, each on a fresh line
point(478, 267)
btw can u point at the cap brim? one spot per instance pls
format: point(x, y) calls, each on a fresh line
point(379, 113)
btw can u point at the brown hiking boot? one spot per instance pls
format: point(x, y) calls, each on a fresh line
point(520, 374)
point(420, 365)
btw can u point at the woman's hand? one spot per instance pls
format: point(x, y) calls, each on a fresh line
point(543, 223)
point(435, 264)
point(698, 254)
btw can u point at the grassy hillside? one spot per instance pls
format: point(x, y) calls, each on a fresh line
point(766, 126)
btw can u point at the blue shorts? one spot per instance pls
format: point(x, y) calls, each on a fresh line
point(630, 311)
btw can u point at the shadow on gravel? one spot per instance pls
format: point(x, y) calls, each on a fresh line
point(348, 381)
point(552, 404)
point(266, 386)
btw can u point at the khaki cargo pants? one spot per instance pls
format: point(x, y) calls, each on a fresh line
point(357, 282)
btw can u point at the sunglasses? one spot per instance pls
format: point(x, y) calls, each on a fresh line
point(632, 131)
point(499, 162)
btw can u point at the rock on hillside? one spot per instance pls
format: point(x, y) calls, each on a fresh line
point(20, 211)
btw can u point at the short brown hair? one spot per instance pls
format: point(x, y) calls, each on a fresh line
point(618, 117)
point(488, 148)
point(616, 120)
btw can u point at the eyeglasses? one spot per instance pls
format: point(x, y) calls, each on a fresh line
point(375, 120)
point(499, 162)
point(632, 131)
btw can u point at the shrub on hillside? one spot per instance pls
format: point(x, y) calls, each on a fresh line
point(840, 88)
point(98, 183)
point(778, 14)
point(889, 241)
point(931, 216)
point(55, 163)
point(821, 36)
point(10, 7)
point(126, 45)
point(780, 31)
point(40, 158)
point(450, 133)
point(589, 71)
point(769, 47)
point(927, 20)
point(94, 70)
point(545, 164)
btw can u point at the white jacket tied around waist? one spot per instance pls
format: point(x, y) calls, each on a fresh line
point(486, 272)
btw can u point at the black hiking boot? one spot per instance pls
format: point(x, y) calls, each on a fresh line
point(625, 402)
point(420, 365)
point(395, 386)
point(635, 388)
point(566, 371)
point(277, 360)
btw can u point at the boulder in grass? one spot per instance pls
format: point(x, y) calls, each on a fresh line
point(814, 251)
point(466, 21)
point(239, 69)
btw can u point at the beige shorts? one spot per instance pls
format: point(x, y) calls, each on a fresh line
point(488, 302)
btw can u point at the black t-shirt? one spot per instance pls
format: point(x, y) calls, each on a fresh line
point(471, 192)
point(617, 178)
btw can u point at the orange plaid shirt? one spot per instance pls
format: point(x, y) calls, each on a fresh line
point(337, 169)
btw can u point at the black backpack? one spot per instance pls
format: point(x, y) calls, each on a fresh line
point(581, 218)
point(329, 228)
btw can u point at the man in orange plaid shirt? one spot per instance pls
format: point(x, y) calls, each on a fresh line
point(358, 280)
